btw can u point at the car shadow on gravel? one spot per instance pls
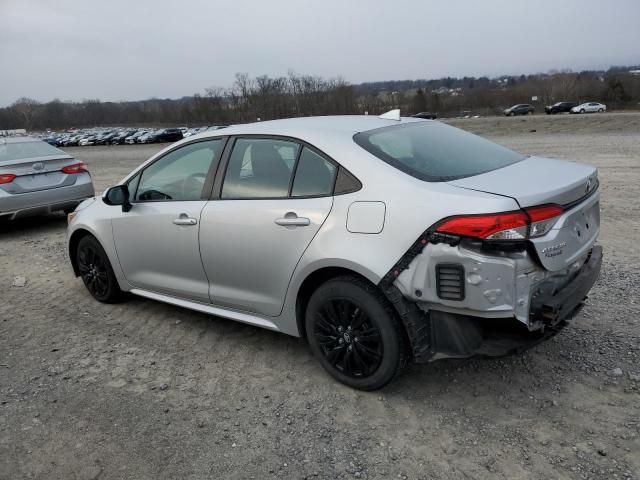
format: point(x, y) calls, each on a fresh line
point(43, 224)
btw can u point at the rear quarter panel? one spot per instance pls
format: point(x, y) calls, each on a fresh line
point(412, 206)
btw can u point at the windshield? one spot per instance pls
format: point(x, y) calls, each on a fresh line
point(435, 152)
point(27, 149)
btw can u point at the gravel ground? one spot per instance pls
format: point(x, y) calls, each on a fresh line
point(146, 390)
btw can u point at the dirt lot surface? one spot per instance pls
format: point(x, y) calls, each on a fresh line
point(146, 390)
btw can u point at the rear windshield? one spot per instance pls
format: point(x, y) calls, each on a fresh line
point(435, 152)
point(29, 149)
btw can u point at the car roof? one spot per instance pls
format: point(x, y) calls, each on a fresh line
point(310, 127)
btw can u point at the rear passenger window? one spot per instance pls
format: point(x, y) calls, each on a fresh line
point(259, 168)
point(315, 176)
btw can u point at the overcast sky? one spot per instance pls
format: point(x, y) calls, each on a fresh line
point(137, 49)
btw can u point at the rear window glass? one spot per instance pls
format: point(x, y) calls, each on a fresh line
point(435, 152)
point(30, 149)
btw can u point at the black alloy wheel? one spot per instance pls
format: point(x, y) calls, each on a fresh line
point(354, 332)
point(96, 272)
point(348, 338)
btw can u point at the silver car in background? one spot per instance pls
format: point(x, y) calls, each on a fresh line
point(380, 240)
point(589, 107)
point(37, 178)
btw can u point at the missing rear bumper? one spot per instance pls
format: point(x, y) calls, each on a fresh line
point(436, 334)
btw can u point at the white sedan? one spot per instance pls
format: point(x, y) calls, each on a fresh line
point(590, 107)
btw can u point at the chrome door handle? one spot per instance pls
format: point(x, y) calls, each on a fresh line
point(292, 220)
point(184, 219)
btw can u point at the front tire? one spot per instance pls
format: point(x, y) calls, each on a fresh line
point(354, 333)
point(600, 110)
point(96, 271)
point(582, 110)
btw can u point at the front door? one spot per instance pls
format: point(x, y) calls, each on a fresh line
point(275, 196)
point(157, 241)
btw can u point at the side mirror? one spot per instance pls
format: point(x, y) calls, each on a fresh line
point(118, 195)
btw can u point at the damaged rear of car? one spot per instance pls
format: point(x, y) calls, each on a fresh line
point(498, 282)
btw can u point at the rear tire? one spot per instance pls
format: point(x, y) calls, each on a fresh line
point(600, 110)
point(96, 271)
point(354, 333)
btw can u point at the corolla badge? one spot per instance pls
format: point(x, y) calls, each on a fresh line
point(554, 250)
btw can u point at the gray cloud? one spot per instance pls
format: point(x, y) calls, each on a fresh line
point(138, 49)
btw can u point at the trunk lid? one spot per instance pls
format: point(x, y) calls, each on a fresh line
point(39, 173)
point(538, 181)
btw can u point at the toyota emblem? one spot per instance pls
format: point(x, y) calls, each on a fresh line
point(38, 166)
point(586, 190)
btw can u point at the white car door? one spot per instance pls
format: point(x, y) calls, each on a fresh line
point(157, 241)
point(273, 199)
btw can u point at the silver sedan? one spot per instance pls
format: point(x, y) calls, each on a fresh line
point(380, 240)
point(37, 178)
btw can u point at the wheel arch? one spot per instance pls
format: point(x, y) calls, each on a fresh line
point(316, 278)
point(74, 241)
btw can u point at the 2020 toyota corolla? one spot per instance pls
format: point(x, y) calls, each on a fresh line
point(381, 240)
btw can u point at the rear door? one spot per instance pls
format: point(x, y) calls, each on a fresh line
point(273, 198)
point(157, 240)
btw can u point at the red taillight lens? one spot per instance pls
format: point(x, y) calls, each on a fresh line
point(6, 178)
point(75, 168)
point(530, 223)
point(500, 226)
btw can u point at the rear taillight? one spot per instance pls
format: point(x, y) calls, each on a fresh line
point(75, 168)
point(6, 178)
point(528, 223)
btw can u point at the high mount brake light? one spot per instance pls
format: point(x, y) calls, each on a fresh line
point(520, 225)
point(75, 168)
point(6, 178)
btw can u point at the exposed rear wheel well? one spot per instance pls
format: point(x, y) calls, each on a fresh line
point(73, 247)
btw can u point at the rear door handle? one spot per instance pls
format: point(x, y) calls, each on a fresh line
point(185, 219)
point(291, 219)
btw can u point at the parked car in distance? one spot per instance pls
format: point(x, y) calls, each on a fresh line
point(559, 107)
point(425, 115)
point(37, 178)
point(589, 107)
point(381, 240)
point(86, 141)
point(147, 137)
point(520, 109)
point(134, 138)
point(120, 138)
point(167, 135)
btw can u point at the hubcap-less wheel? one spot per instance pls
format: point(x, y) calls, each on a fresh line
point(96, 272)
point(348, 338)
point(93, 269)
point(353, 331)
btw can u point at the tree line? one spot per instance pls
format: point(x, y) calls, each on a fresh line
point(265, 98)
